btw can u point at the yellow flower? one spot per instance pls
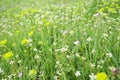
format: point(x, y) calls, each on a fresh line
point(3, 42)
point(102, 76)
point(32, 73)
point(47, 23)
point(17, 31)
point(30, 33)
point(8, 55)
point(24, 41)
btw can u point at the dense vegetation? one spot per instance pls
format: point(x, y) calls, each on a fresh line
point(59, 40)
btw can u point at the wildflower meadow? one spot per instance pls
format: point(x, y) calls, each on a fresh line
point(59, 39)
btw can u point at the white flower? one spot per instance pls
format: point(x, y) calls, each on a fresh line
point(57, 62)
point(55, 77)
point(54, 43)
point(65, 32)
point(64, 49)
point(30, 44)
point(77, 42)
point(102, 61)
point(17, 56)
point(112, 68)
point(77, 73)
point(37, 56)
point(92, 64)
point(99, 66)
point(30, 40)
point(11, 76)
point(68, 56)
point(20, 74)
point(83, 58)
point(109, 55)
point(92, 77)
point(89, 39)
point(3, 79)
point(1, 71)
point(71, 32)
point(97, 14)
point(105, 35)
point(12, 62)
point(19, 61)
point(35, 49)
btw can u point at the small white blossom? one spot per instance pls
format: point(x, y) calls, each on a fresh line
point(71, 32)
point(19, 61)
point(68, 56)
point(65, 32)
point(30, 40)
point(35, 49)
point(37, 56)
point(92, 64)
point(97, 14)
point(109, 55)
point(112, 68)
point(1, 71)
point(11, 76)
point(12, 62)
point(105, 35)
point(89, 39)
point(99, 66)
point(20, 74)
point(77, 42)
point(54, 44)
point(92, 76)
point(83, 58)
point(102, 61)
point(3, 79)
point(57, 62)
point(64, 49)
point(77, 73)
point(17, 56)
point(55, 77)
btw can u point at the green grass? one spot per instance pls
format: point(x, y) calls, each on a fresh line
point(58, 39)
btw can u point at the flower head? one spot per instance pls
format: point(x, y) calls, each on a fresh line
point(116, 71)
point(102, 76)
point(77, 42)
point(8, 55)
point(20, 74)
point(77, 73)
point(3, 42)
point(24, 41)
point(30, 33)
point(1, 71)
point(32, 73)
point(92, 77)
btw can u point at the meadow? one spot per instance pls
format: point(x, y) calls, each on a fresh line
point(59, 39)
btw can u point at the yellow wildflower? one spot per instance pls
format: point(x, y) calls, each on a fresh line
point(17, 31)
point(24, 41)
point(30, 33)
point(102, 76)
point(3, 42)
point(32, 73)
point(47, 23)
point(8, 55)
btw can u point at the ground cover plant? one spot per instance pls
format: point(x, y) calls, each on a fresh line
point(59, 40)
